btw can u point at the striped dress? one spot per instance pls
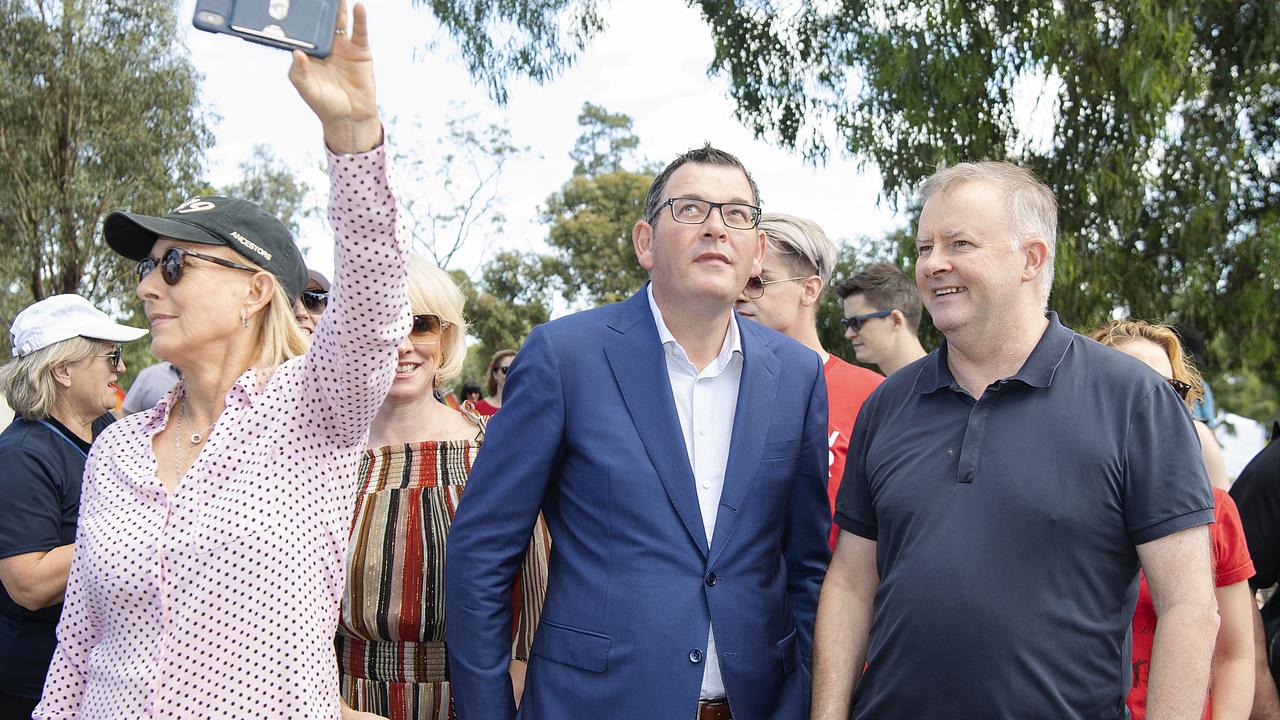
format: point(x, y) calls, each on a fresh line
point(390, 643)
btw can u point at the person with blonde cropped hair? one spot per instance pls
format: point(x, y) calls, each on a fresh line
point(785, 296)
point(209, 562)
point(66, 355)
point(412, 476)
point(1231, 691)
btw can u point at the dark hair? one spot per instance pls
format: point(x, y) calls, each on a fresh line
point(705, 155)
point(886, 288)
point(469, 390)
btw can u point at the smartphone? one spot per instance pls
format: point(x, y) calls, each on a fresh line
point(305, 25)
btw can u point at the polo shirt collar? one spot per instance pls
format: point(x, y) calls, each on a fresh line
point(1037, 371)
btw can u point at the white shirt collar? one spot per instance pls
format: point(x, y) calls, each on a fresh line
point(732, 340)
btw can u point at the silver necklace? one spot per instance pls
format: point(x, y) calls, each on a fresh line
point(196, 437)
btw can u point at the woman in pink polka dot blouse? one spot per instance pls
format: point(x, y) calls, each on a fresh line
point(208, 569)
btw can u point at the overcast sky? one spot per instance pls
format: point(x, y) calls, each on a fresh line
point(650, 63)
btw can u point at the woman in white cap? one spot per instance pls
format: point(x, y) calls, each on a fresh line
point(66, 355)
point(208, 568)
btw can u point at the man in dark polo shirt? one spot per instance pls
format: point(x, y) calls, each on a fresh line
point(1001, 493)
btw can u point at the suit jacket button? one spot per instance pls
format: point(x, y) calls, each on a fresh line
point(712, 579)
point(695, 656)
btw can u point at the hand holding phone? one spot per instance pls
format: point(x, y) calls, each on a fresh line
point(340, 89)
point(304, 25)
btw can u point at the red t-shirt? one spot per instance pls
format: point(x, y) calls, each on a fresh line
point(485, 409)
point(847, 387)
point(1231, 564)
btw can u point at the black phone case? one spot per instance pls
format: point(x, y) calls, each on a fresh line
point(305, 25)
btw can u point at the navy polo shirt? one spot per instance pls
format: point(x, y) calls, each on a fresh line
point(1006, 530)
point(41, 468)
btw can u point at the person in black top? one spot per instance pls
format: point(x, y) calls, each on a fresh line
point(59, 386)
point(1257, 493)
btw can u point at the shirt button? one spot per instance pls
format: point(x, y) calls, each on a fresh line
point(695, 656)
point(712, 579)
point(702, 433)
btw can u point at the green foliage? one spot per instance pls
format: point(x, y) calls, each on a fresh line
point(98, 112)
point(606, 144)
point(267, 181)
point(512, 295)
point(591, 216)
point(1161, 152)
point(517, 38)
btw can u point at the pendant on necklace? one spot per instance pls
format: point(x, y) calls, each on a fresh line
point(195, 438)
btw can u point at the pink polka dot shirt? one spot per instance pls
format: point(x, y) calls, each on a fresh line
point(221, 599)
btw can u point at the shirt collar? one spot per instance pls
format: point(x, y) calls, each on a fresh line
point(246, 389)
point(1037, 371)
point(732, 340)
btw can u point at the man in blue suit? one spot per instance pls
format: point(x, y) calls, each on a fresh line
point(679, 455)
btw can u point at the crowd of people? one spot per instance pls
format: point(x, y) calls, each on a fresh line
point(677, 506)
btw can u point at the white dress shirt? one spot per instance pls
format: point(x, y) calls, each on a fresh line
point(705, 402)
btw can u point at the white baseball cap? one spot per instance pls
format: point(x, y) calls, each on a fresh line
point(61, 317)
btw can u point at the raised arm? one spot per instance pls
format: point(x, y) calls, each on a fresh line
point(352, 356)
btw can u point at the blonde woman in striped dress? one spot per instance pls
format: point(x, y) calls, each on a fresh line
point(390, 643)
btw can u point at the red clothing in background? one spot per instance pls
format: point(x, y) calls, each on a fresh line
point(1231, 564)
point(847, 387)
point(485, 409)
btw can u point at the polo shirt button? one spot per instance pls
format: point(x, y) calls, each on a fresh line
point(695, 656)
point(712, 579)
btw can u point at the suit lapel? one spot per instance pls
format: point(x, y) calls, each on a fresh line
point(757, 393)
point(640, 369)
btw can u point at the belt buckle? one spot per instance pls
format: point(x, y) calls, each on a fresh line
point(717, 709)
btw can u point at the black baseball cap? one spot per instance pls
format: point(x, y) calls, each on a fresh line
point(215, 220)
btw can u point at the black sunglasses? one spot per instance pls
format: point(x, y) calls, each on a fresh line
point(502, 369)
point(855, 323)
point(113, 356)
point(173, 261)
point(315, 301)
point(1183, 389)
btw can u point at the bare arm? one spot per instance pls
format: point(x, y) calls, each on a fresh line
point(1179, 572)
point(1266, 701)
point(37, 580)
point(1232, 690)
point(843, 626)
point(1214, 463)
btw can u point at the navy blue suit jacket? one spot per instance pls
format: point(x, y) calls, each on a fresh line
point(588, 433)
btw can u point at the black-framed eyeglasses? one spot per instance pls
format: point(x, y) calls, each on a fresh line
point(113, 356)
point(692, 211)
point(1183, 389)
point(427, 329)
point(173, 261)
point(315, 301)
point(755, 286)
point(855, 322)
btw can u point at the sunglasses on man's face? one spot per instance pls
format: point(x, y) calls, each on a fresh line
point(173, 261)
point(855, 322)
point(315, 301)
point(1183, 389)
point(427, 329)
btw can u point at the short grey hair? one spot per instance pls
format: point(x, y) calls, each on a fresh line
point(27, 381)
point(1031, 206)
point(802, 242)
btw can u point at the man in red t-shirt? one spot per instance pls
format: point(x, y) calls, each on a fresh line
point(797, 267)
